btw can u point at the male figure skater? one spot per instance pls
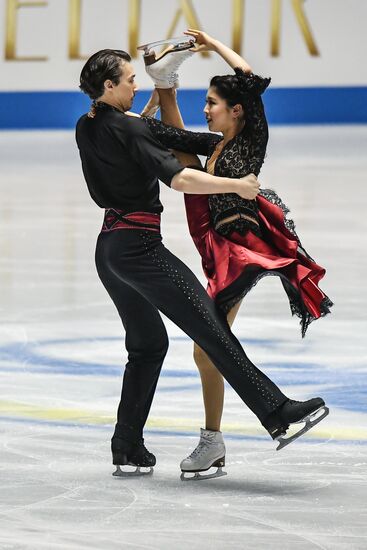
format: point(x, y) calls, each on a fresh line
point(122, 162)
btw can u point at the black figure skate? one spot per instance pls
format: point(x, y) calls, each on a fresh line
point(210, 453)
point(125, 453)
point(309, 412)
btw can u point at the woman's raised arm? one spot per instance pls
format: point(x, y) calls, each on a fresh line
point(204, 42)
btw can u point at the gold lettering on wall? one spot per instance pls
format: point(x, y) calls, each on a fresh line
point(75, 16)
point(304, 26)
point(12, 7)
point(238, 25)
point(185, 9)
point(276, 16)
point(134, 24)
point(188, 12)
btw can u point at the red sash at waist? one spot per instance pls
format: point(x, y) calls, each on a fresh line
point(116, 219)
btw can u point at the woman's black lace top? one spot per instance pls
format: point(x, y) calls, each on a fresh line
point(243, 155)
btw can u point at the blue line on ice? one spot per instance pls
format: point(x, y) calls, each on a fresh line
point(345, 388)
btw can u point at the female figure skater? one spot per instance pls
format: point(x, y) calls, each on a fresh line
point(239, 240)
point(122, 162)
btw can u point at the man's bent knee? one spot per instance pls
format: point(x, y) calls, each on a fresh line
point(149, 355)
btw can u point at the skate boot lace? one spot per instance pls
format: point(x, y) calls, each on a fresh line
point(180, 60)
point(203, 445)
point(145, 451)
point(174, 64)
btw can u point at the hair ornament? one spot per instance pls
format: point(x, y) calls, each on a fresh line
point(93, 110)
point(251, 84)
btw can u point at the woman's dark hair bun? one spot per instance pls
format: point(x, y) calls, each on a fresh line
point(251, 83)
point(240, 87)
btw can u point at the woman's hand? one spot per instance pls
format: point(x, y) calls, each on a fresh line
point(249, 187)
point(204, 42)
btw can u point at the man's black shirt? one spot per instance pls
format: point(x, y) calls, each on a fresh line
point(122, 161)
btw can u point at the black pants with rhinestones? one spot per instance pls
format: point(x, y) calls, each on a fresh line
point(142, 277)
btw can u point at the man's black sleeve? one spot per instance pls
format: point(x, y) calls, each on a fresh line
point(145, 150)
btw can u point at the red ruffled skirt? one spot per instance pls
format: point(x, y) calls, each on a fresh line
point(234, 264)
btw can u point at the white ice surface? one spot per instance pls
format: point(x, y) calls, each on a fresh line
point(62, 353)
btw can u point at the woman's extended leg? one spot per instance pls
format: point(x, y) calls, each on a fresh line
point(212, 382)
point(211, 450)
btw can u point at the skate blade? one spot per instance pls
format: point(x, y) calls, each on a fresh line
point(133, 473)
point(198, 476)
point(178, 41)
point(310, 421)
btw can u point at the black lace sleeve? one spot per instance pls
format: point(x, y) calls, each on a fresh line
point(256, 130)
point(197, 143)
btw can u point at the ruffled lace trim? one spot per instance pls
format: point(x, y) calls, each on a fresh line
point(296, 305)
point(272, 197)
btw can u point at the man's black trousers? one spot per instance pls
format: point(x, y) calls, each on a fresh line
point(142, 277)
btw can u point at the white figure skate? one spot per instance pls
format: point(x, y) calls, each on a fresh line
point(162, 68)
point(209, 453)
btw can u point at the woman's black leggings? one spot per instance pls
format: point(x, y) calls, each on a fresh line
point(142, 276)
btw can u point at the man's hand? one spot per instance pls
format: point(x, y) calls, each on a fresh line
point(249, 187)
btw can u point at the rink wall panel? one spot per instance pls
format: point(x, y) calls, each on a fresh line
point(60, 110)
point(314, 52)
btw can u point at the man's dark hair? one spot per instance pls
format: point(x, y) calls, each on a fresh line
point(101, 66)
